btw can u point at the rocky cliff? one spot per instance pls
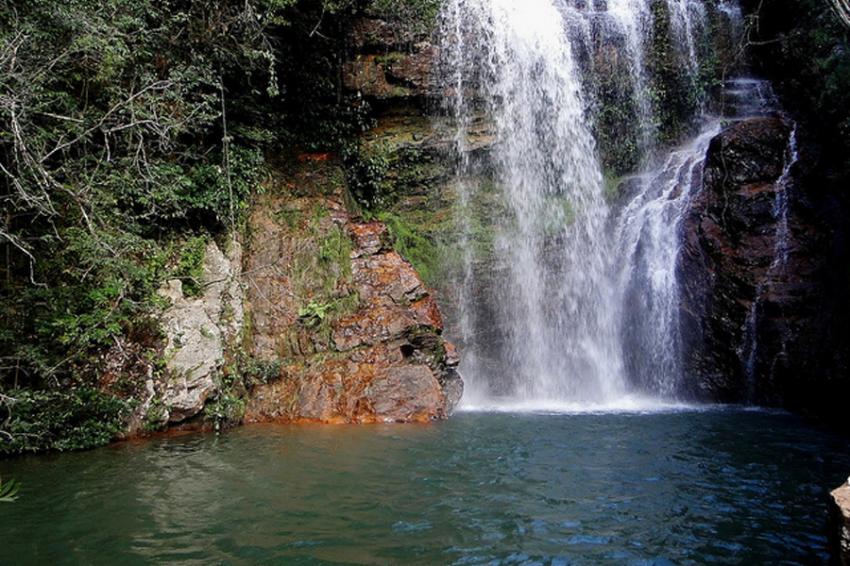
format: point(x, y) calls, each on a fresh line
point(323, 318)
point(754, 263)
point(839, 518)
point(355, 331)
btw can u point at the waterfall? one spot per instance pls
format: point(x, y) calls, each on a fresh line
point(688, 19)
point(649, 237)
point(553, 303)
point(575, 303)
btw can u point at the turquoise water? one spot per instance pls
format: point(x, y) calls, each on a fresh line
point(718, 486)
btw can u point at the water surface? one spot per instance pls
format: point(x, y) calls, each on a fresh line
point(715, 486)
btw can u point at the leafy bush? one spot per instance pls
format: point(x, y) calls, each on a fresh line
point(416, 248)
point(190, 266)
point(74, 419)
point(314, 313)
point(805, 49)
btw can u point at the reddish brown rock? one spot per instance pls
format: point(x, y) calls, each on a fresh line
point(369, 238)
point(380, 357)
point(746, 319)
point(391, 62)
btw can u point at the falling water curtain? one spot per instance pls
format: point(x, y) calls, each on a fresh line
point(842, 10)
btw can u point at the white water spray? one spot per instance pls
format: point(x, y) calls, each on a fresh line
point(566, 295)
point(554, 304)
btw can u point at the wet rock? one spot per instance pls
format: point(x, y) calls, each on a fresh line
point(839, 516)
point(405, 393)
point(390, 61)
point(742, 312)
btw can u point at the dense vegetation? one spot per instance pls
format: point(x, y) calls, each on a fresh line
point(131, 131)
point(804, 48)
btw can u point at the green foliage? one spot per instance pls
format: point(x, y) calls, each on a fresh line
point(674, 90)
point(367, 168)
point(416, 248)
point(313, 314)
point(805, 49)
point(113, 146)
point(190, 266)
point(612, 185)
point(335, 250)
point(418, 16)
point(617, 125)
point(255, 372)
point(71, 419)
point(9, 490)
point(318, 315)
point(227, 408)
point(156, 417)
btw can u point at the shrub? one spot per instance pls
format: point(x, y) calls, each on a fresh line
point(73, 419)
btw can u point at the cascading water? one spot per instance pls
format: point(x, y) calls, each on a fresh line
point(688, 20)
point(648, 228)
point(583, 313)
point(633, 19)
point(554, 304)
point(649, 243)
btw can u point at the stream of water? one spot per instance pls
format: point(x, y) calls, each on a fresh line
point(553, 296)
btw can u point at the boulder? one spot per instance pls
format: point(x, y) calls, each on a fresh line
point(197, 331)
point(839, 517)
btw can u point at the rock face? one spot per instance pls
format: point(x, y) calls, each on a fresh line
point(749, 271)
point(322, 320)
point(198, 332)
point(194, 338)
point(730, 242)
point(389, 61)
point(358, 335)
point(839, 516)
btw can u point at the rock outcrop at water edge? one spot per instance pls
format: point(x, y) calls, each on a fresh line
point(749, 270)
point(357, 336)
point(839, 517)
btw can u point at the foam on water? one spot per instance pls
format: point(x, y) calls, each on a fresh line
point(628, 404)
